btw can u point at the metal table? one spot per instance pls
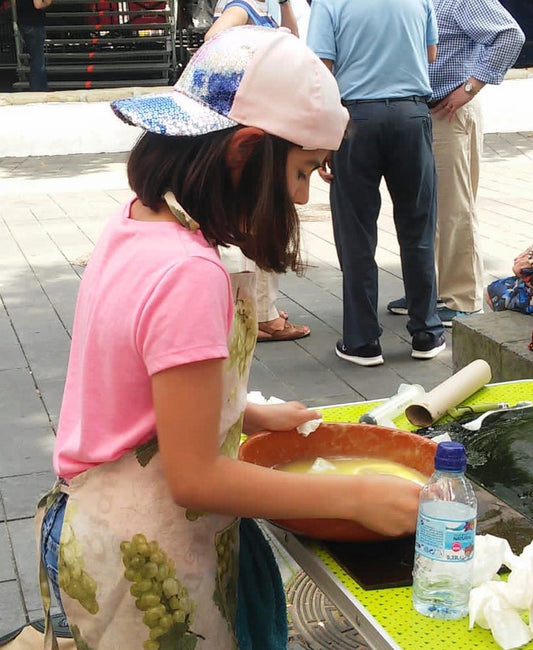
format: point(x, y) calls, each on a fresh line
point(385, 617)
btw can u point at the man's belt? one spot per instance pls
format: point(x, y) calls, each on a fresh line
point(388, 100)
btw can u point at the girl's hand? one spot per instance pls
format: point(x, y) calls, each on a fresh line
point(388, 504)
point(277, 417)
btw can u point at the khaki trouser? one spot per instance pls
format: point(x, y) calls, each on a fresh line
point(267, 284)
point(457, 146)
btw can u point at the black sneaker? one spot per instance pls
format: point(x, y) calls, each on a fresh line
point(366, 355)
point(426, 346)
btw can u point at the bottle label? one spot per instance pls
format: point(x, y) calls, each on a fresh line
point(446, 540)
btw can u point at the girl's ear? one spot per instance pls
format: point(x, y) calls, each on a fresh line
point(240, 147)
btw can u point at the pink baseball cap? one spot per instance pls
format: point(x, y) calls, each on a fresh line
point(252, 76)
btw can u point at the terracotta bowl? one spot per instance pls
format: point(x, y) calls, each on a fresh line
point(271, 449)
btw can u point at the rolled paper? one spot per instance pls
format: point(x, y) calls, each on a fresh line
point(449, 394)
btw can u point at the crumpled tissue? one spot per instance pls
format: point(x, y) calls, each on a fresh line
point(322, 465)
point(499, 605)
point(256, 397)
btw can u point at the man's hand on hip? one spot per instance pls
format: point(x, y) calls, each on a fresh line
point(449, 105)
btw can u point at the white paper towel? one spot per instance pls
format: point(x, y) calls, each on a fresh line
point(256, 397)
point(498, 605)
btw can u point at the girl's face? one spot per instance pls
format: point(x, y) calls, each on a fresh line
point(301, 164)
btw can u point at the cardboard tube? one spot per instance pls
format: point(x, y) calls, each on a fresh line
point(450, 393)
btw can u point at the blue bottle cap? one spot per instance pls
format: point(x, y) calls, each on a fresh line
point(451, 457)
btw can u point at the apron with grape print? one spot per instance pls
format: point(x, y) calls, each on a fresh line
point(135, 569)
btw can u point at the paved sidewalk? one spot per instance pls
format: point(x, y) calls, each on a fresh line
point(51, 212)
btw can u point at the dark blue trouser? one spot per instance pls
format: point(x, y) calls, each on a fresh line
point(391, 140)
point(34, 37)
point(50, 536)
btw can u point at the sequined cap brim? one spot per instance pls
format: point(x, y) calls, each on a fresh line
point(172, 113)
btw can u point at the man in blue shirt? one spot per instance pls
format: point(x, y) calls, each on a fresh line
point(378, 51)
point(478, 42)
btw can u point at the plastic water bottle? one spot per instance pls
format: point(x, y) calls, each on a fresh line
point(445, 534)
point(384, 413)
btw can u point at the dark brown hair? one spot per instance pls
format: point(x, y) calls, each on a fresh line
point(258, 215)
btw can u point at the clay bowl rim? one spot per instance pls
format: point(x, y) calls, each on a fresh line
point(270, 444)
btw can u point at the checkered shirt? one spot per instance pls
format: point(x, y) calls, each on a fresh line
point(477, 38)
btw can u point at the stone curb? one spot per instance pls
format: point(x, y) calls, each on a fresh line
point(71, 96)
point(109, 94)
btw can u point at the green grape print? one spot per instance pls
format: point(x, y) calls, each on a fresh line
point(193, 515)
point(225, 596)
point(81, 644)
point(243, 334)
point(72, 577)
point(145, 452)
point(168, 610)
point(230, 446)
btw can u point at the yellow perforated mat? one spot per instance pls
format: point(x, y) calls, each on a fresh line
point(511, 392)
point(392, 608)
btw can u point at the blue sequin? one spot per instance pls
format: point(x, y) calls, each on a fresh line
point(221, 90)
point(199, 78)
point(204, 94)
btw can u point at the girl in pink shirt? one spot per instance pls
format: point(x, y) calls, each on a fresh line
point(150, 489)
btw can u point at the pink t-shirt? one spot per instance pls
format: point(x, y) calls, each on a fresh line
point(154, 295)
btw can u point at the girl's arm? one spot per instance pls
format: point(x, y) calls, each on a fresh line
point(231, 17)
point(187, 402)
point(276, 417)
point(288, 19)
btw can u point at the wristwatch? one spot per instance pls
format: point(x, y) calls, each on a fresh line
point(469, 88)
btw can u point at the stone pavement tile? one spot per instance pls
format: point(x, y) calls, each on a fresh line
point(22, 493)
point(324, 275)
point(88, 211)
point(120, 196)
point(25, 433)
point(11, 355)
point(24, 206)
point(322, 301)
point(22, 533)
point(509, 146)
point(59, 286)
point(428, 373)
point(7, 571)
point(12, 613)
point(50, 391)
point(371, 383)
point(44, 339)
point(265, 381)
point(68, 238)
point(313, 387)
point(318, 246)
point(69, 166)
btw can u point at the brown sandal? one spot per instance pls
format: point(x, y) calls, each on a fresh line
point(289, 332)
